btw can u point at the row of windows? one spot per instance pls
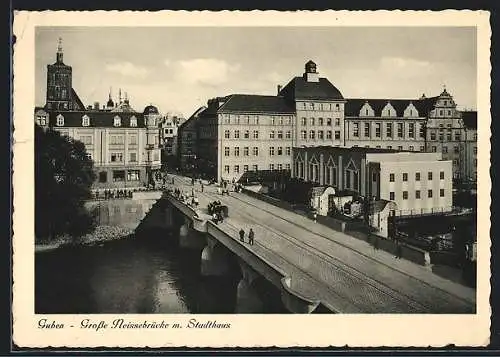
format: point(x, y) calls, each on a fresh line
point(321, 134)
point(440, 137)
point(114, 139)
point(392, 195)
point(254, 119)
point(119, 175)
point(388, 130)
point(390, 147)
point(320, 121)
point(236, 168)
point(255, 134)
point(417, 176)
point(118, 157)
point(117, 121)
point(255, 151)
point(321, 106)
point(387, 112)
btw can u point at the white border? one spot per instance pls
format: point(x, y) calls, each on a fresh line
point(247, 330)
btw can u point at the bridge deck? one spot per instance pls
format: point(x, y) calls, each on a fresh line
point(342, 271)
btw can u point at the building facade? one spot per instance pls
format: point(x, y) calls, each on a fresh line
point(469, 163)
point(187, 139)
point(311, 111)
point(418, 183)
point(169, 126)
point(123, 143)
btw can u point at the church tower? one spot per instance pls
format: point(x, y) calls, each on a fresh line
point(59, 83)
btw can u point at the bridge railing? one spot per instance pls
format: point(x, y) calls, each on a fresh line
point(291, 297)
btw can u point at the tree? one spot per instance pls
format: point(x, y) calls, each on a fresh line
point(63, 177)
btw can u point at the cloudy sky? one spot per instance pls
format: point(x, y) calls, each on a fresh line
point(179, 69)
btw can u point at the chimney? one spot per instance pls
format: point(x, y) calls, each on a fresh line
point(280, 87)
point(96, 105)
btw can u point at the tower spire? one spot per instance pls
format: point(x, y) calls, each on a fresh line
point(59, 51)
point(120, 95)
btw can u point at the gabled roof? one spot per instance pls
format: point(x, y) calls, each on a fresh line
point(354, 105)
point(377, 206)
point(255, 104)
point(470, 119)
point(425, 105)
point(318, 190)
point(97, 119)
point(299, 88)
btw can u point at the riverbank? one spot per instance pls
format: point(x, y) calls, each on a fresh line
point(101, 234)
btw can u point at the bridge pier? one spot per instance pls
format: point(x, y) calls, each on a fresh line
point(214, 261)
point(190, 238)
point(247, 298)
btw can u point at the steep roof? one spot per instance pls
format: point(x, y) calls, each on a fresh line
point(97, 119)
point(77, 100)
point(354, 105)
point(256, 104)
point(299, 88)
point(470, 119)
point(425, 105)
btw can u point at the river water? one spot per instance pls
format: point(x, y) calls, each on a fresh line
point(131, 275)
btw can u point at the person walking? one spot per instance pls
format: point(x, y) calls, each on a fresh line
point(201, 186)
point(375, 242)
point(398, 252)
point(251, 236)
point(242, 235)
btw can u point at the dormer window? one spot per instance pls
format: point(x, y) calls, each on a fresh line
point(60, 120)
point(117, 121)
point(133, 121)
point(85, 120)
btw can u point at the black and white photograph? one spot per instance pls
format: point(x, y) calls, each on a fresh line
point(227, 171)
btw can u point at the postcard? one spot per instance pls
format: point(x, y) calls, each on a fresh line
point(251, 179)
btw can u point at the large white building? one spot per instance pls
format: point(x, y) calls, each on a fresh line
point(417, 182)
point(123, 143)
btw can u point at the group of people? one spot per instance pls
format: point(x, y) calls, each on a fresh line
point(179, 194)
point(222, 189)
point(215, 210)
point(251, 236)
point(109, 194)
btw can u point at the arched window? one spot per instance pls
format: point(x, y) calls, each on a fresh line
point(133, 121)
point(117, 121)
point(60, 120)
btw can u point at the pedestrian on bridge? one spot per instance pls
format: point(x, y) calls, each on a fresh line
point(399, 249)
point(242, 235)
point(251, 236)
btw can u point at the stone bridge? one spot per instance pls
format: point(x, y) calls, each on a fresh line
point(314, 268)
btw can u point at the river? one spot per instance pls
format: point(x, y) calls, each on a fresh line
point(132, 275)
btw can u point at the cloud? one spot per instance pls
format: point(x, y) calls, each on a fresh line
point(206, 71)
point(128, 69)
point(403, 63)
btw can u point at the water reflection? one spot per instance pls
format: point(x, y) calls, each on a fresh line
point(134, 275)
